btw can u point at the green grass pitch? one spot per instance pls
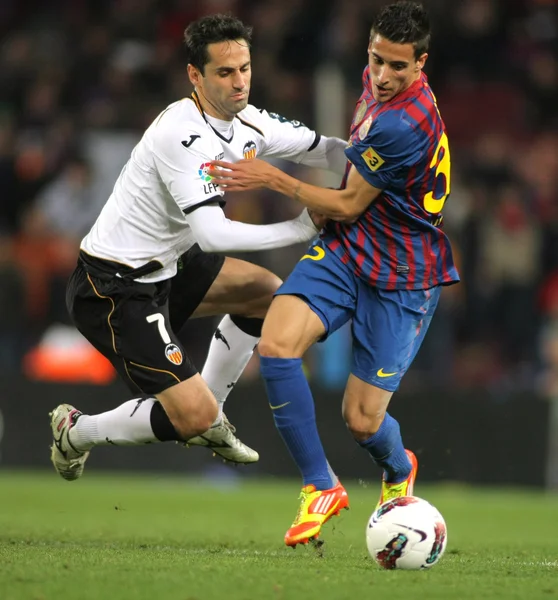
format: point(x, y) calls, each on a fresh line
point(154, 538)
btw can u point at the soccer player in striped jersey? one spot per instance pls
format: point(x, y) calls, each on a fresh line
point(381, 262)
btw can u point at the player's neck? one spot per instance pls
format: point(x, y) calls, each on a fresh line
point(409, 86)
point(209, 109)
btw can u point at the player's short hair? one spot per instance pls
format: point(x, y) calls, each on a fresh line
point(212, 29)
point(404, 23)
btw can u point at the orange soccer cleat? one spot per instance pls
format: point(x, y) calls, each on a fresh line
point(405, 488)
point(316, 508)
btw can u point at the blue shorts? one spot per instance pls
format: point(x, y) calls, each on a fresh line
point(387, 326)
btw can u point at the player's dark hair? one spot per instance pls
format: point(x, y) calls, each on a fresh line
point(404, 23)
point(212, 30)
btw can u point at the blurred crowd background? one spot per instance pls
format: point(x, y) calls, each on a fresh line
point(81, 79)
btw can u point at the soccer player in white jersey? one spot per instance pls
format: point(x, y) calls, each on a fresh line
point(154, 258)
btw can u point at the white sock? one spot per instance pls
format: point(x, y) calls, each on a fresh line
point(229, 353)
point(127, 425)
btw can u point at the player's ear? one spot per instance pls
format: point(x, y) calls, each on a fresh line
point(193, 75)
point(421, 60)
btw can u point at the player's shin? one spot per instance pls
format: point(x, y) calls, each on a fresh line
point(387, 450)
point(136, 422)
point(230, 350)
point(293, 410)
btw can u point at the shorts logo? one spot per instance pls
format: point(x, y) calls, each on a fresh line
point(174, 354)
point(381, 373)
point(249, 151)
point(372, 159)
point(203, 172)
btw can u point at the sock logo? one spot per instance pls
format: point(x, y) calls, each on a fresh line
point(138, 404)
point(174, 354)
point(219, 336)
point(278, 406)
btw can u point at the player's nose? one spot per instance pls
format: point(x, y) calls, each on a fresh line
point(239, 81)
point(383, 76)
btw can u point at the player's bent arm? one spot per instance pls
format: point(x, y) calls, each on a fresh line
point(341, 205)
point(215, 233)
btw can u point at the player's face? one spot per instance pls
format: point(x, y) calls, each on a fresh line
point(225, 84)
point(393, 67)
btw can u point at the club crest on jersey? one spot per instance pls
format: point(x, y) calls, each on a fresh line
point(249, 150)
point(174, 354)
point(372, 159)
point(360, 111)
point(364, 128)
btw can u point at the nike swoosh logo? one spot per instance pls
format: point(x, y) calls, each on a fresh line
point(421, 533)
point(278, 406)
point(381, 373)
point(188, 143)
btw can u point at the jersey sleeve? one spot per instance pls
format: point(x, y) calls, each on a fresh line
point(182, 159)
point(284, 138)
point(390, 147)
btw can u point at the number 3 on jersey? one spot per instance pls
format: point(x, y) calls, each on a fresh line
point(441, 162)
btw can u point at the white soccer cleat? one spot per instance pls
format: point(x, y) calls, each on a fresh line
point(221, 439)
point(68, 461)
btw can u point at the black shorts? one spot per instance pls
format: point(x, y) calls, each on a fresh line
point(134, 324)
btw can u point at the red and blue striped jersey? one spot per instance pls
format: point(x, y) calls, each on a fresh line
point(399, 146)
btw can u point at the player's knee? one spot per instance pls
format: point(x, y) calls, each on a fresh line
point(362, 422)
point(270, 284)
point(275, 348)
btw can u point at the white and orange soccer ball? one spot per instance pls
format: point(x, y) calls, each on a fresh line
point(406, 533)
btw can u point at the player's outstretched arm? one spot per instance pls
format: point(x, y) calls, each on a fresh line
point(214, 232)
point(341, 205)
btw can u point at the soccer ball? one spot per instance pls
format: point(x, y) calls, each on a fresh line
point(406, 533)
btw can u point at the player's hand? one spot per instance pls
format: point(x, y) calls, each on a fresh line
point(244, 175)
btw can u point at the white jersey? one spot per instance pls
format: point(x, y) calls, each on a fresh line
point(166, 177)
